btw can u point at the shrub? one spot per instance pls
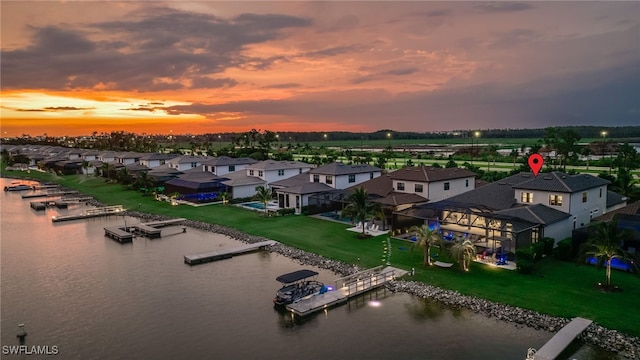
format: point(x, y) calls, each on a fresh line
point(525, 266)
point(284, 212)
point(548, 245)
point(538, 250)
point(564, 250)
point(525, 254)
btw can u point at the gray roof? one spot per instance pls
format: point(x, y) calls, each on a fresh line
point(158, 156)
point(430, 173)
point(308, 188)
point(398, 198)
point(292, 181)
point(240, 178)
point(613, 198)
point(277, 165)
point(186, 159)
point(338, 168)
point(538, 214)
point(497, 195)
point(560, 182)
point(225, 160)
point(164, 170)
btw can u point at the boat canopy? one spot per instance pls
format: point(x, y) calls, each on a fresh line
point(296, 276)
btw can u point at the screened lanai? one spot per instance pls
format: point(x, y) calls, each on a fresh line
point(490, 232)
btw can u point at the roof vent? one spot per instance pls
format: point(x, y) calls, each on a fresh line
point(547, 178)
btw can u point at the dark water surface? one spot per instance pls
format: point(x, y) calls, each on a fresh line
point(94, 298)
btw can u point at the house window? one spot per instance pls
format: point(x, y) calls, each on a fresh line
point(400, 186)
point(446, 186)
point(260, 173)
point(329, 179)
point(352, 178)
point(526, 197)
point(232, 168)
point(600, 192)
point(161, 162)
point(250, 172)
point(316, 178)
point(206, 168)
point(584, 196)
point(555, 200)
point(418, 188)
point(370, 175)
point(193, 164)
point(299, 171)
point(281, 172)
point(466, 183)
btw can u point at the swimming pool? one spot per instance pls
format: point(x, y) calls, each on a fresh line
point(256, 205)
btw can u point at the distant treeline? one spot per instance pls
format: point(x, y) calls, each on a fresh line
point(623, 132)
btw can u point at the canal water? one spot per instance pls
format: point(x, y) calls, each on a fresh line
point(89, 297)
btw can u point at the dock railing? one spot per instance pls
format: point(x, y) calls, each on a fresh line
point(364, 280)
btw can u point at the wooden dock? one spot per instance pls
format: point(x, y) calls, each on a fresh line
point(560, 340)
point(90, 213)
point(119, 234)
point(346, 288)
point(146, 230)
point(49, 194)
point(163, 223)
point(225, 253)
point(38, 205)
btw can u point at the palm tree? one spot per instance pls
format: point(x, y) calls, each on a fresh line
point(360, 209)
point(426, 237)
point(463, 251)
point(605, 244)
point(263, 194)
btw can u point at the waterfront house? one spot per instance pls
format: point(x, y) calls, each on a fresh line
point(516, 211)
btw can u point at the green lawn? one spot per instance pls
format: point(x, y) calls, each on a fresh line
point(558, 289)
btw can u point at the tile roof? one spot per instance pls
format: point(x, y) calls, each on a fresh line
point(277, 165)
point(381, 185)
point(338, 168)
point(631, 209)
point(560, 182)
point(537, 214)
point(308, 188)
point(398, 198)
point(292, 181)
point(240, 178)
point(430, 173)
point(497, 195)
point(613, 198)
point(225, 160)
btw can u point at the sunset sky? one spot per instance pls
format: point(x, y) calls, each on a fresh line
point(74, 67)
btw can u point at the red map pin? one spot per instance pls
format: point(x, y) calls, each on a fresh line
point(535, 163)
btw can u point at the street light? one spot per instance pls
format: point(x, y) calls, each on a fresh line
point(604, 146)
point(477, 136)
point(389, 139)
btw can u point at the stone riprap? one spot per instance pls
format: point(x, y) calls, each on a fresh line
point(611, 340)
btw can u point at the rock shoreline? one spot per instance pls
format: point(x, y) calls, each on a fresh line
point(610, 340)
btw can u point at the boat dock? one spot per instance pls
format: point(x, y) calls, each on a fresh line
point(118, 234)
point(225, 253)
point(560, 340)
point(101, 211)
point(346, 288)
point(163, 223)
point(48, 194)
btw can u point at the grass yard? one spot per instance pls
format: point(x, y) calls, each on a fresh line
point(558, 288)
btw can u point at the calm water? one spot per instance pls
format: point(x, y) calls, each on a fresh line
point(94, 298)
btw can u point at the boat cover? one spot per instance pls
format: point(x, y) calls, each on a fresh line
point(296, 276)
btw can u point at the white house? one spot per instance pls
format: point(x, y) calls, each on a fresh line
point(153, 160)
point(243, 183)
point(583, 196)
point(433, 183)
point(272, 170)
point(185, 162)
point(223, 165)
point(341, 176)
